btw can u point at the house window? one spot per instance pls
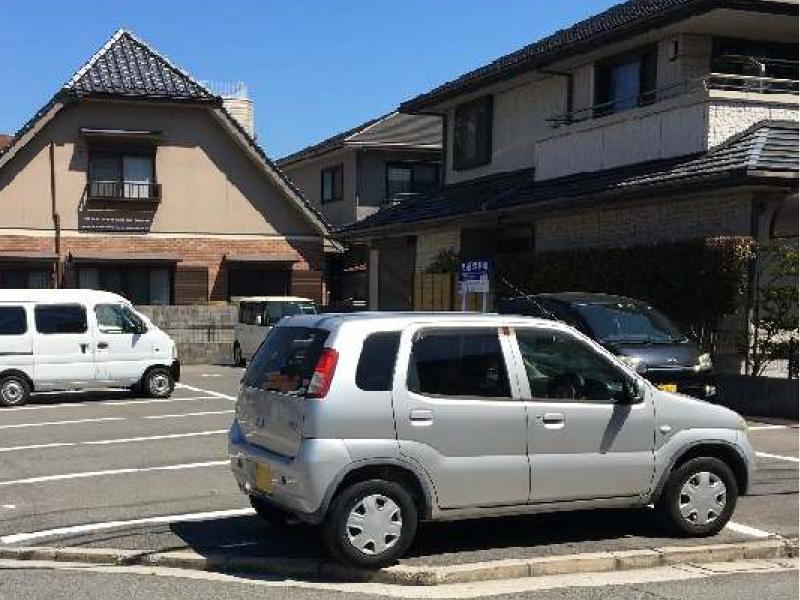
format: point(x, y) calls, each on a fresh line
point(472, 135)
point(774, 64)
point(626, 81)
point(124, 175)
point(332, 184)
point(140, 285)
point(32, 279)
point(410, 178)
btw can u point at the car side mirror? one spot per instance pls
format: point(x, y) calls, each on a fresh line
point(634, 391)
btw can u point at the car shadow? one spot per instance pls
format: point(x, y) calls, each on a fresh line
point(79, 397)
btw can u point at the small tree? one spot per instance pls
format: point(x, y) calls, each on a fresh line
point(445, 261)
point(774, 324)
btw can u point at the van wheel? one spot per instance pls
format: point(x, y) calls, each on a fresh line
point(238, 359)
point(14, 390)
point(158, 383)
point(371, 524)
point(698, 498)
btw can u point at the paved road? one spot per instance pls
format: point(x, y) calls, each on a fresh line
point(74, 466)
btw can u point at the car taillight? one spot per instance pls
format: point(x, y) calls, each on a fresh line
point(323, 374)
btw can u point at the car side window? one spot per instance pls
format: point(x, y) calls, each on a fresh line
point(560, 367)
point(458, 363)
point(376, 363)
point(115, 318)
point(13, 320)
point(60, 318)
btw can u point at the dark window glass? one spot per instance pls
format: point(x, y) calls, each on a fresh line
point(25, 279)
point(122, 174)
point(286, 359)
point(12, 320)
point(140, 285)
point(625, 82)
point(332, 184)
point(275, 311)
point(115, 318)
point(755, 58)
point(376, 363)
point(472, 135)
point(410, 178)
point(559, 367)
point(458, 362)
point(60, 318)
point(629, 322)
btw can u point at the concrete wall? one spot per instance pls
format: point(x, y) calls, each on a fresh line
point(728, 114)
point(759, 396)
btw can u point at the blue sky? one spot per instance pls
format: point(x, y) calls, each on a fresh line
point(313, 67)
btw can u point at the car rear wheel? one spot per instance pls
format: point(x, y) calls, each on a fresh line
point(158, 383)
point(699, 497)
point(14, 390)
point(371, 524)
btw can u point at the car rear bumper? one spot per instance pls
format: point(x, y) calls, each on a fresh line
point(300, 484)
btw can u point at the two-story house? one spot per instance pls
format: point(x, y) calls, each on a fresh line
point(654, 120)
point(356, 173)
point(136, 178)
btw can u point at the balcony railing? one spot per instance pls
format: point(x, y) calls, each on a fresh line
point(123, 190)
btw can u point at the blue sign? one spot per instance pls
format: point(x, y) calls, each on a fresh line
point(474, 270)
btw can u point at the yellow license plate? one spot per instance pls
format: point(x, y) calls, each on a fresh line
point(263, 478)
point(668, 387)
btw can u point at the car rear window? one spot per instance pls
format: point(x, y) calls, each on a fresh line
point(376, 363)
point(60, 318)
point(286, 359)
point(12, 320)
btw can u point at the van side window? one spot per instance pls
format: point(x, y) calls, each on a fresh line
point(376, 363)
point(115, 318)
point(60, 318)
point(12, 320)
point(562, 368)
point(458, 363)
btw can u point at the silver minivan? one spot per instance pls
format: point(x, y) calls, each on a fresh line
point(367, 423)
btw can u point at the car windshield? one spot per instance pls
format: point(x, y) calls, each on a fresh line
point(278, 310)
point(629, 322)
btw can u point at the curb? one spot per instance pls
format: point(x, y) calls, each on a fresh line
point(594, 562)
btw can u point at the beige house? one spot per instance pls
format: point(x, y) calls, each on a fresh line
point(136, 178)
point(652, 121)
point(354, 174)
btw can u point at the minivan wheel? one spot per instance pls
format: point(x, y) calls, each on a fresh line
point(699, 497)
point(14, 390)
point(158, 383)
point(238, 359)
point(371, 524)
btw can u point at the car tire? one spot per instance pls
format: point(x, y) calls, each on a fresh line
point(238, 359)
point(158, 383)
point(14, 390)
point(390, 516)
point(699, 498)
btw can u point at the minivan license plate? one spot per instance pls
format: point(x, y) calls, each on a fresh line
point(263, 478)
point(668, 387)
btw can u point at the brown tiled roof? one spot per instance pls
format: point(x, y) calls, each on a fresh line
point(5, 140)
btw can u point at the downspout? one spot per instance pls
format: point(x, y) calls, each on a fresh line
point(56, 219)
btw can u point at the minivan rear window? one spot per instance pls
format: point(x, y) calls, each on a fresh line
point(12, 320)
point(286, 359)
point(60, 318)
point(376, 363)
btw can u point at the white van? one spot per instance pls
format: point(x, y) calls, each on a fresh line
point(256, 315)
point(77, 339)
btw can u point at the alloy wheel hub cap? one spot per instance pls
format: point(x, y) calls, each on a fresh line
point(375, 524)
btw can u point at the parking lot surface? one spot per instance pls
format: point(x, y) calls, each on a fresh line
point(107, 469)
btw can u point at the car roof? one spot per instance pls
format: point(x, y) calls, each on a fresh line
point(270, 299)
point(578, 298)
point(60, 295)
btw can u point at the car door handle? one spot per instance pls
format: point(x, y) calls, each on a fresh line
point(102, 345)
point(421, 417)
point(553, 420)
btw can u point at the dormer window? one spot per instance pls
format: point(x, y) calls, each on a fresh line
point(625, 81)
point(125, 174)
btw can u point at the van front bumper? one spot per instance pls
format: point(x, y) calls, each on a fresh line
point(301, 485)
point(175, 369)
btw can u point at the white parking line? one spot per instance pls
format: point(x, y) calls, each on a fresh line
point(747, 530)
point(150, 438)
point(85, 474)
point(192, 414)
point(101, 403)
point(201, 390)
point(48, 423)
point(778, 457)
point(75, 529)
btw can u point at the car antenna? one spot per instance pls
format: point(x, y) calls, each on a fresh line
point(528, 297)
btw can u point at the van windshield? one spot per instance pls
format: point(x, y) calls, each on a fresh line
point(275, 311)
point(629, 322)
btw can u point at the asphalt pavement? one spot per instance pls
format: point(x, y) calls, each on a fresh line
point(107, 469)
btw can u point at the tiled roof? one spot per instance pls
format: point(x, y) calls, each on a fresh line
point(394, 129)
point(627, 18)
point(126, 66)
point(5, 140)
point(768, 147)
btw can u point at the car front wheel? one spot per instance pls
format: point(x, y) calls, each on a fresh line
point(699, 497)
point(371, 524)
point(158, 383)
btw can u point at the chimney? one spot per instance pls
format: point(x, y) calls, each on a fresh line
point(236, 101)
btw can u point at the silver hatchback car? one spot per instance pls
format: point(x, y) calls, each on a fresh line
point(367, 423)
